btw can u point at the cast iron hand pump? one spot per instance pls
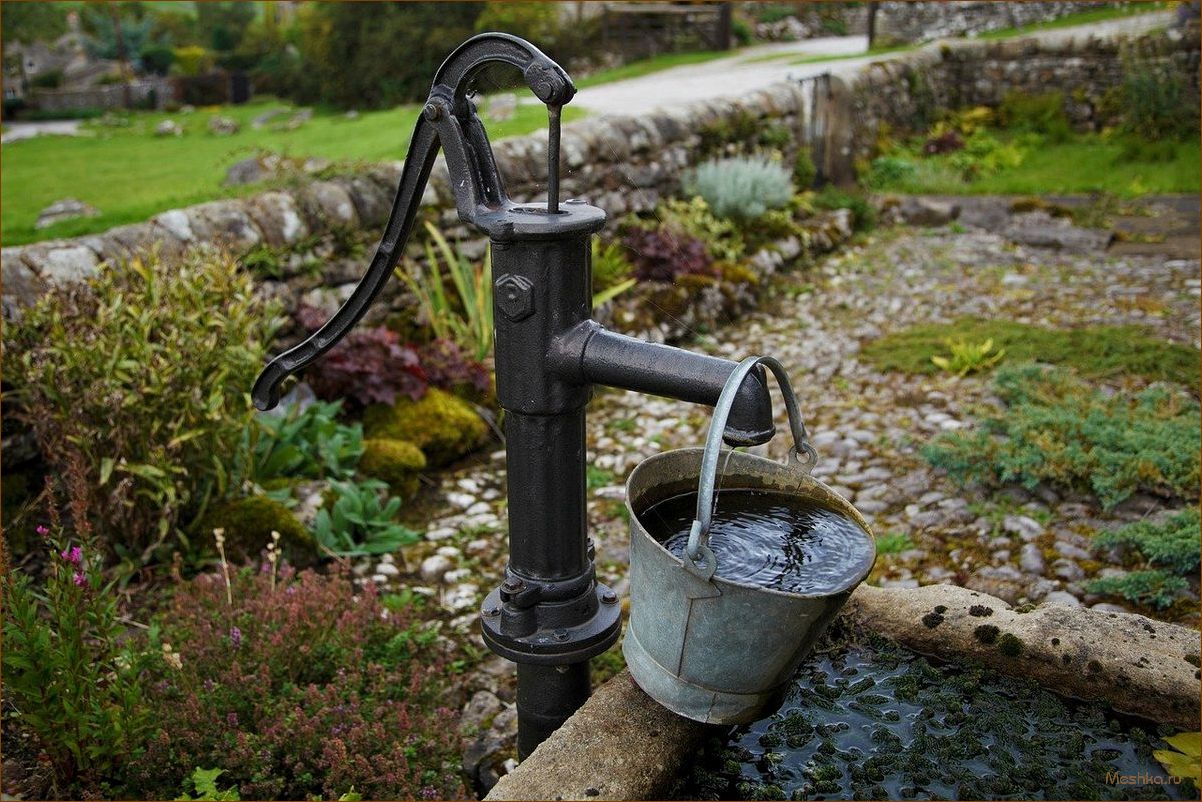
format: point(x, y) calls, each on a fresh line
point(550, 615)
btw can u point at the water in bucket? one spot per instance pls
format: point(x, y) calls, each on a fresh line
point(769, 539)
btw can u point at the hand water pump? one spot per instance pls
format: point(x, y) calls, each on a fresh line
point(549, 615)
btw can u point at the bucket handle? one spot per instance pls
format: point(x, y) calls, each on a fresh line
point(701, 560)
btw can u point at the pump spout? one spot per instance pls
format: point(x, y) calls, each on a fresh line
point(590, 354)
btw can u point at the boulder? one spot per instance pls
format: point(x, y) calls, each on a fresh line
point(65, 209)
point(223, 126)
point(168, 128)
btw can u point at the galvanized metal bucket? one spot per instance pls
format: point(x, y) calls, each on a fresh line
point(707, 648)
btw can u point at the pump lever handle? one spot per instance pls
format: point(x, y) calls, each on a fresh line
point(474, 180)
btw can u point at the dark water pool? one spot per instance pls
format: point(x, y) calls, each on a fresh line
point(870, 720)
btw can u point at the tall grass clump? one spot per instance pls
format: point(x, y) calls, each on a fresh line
point(466, 316)
point(742, 188)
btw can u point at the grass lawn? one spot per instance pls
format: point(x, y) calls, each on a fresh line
point(637, 69)
point(1089, 163)
point(129, 174)
point(1082, 18)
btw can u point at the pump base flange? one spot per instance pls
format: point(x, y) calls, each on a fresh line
point(554, 644)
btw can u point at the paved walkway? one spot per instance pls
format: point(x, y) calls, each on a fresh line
point(757, 67)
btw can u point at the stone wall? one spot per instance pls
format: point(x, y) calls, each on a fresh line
point(924, 22)
point(910, 91)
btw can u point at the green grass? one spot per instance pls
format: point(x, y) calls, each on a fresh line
point(1082, 18)
point(129, 174)
point(1093, 351)
point(1088, 163)
point(875, 51)
point(637, 69)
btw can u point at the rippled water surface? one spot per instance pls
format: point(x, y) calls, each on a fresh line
point(769, 539)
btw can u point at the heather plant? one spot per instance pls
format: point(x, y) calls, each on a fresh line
point(358, 522)
point(71, 677)
point(662, 254)
point(299, 686)
point(742, 188)
point(1055, 428)
point(139, 377)
point(369, 366)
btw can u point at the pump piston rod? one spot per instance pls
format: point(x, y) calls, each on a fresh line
point(549, 615)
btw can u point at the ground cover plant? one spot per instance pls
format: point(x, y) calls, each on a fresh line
point(130, 174)
point(1092, 351)
point(1058, 429)
point(1164, 554)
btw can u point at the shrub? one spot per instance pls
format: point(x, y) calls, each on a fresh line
point(1057, 429)
point(140, 378)
point(70, 674)
point(1156, 104)
point(888, 171)
point(361, 520)
point(742, 188)
point(1039, 114)
point(448, 365)
point(302, 688)
point(1093, 351)
point(738, 131)
point(444, 427)
point(662, 254)
point(369, 365)
point(804, 171)
point(722, 238)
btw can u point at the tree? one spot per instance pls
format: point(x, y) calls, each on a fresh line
point(375, 55)
point(32, 22)
point(221, 25)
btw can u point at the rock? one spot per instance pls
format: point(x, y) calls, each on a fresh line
point(502, 107)
point(1072, 552)
point(927, 212)
point(433, 568)
point(168, 128)
point(387, 569)
point(223, 126)
point(298, 119)
point(65, 209)
point(1066, 238)
point(1031, 560)
point(248, 171)
point(1026, 528)
point(1063, 598)
point(1004, 581)
point(1128, 662)
point(1068, 570)
point(479, 711)
point(261, 120)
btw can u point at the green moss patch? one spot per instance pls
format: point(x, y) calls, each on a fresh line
point(397, 462)
point(248, 524)
point(1093, 351)
point(443, 426)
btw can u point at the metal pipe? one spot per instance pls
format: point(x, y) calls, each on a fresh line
point(547, 696)
point(553, 118)
point(590, 354)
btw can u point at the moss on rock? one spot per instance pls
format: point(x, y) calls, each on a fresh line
point(248, 524)
point(397, 462)
point(442, 425)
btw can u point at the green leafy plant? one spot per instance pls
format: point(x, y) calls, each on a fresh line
point(893, 543)
point(1056, 428)
point(1182, 760)
point(358, 522)
point(888, 171)
point(466, 318)
point(968, 357)
point(70, 674)
point(1041, 114)
point(863, 215)
point(1171, 544)
point(140, 377)
point(1155, 103)
point(804, 171)
point(722, 238)
point(742, 188)
point(611, 271)
point(308, 442)
point(203, 785)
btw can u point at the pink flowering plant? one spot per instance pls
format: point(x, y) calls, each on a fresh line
point(70, 673)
